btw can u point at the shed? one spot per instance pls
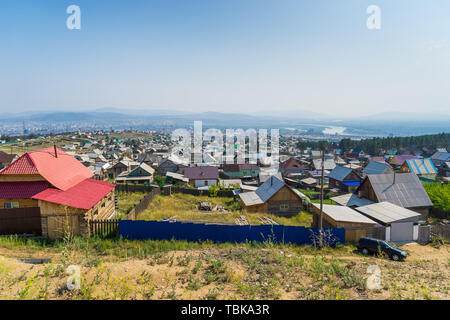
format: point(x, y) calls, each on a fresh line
point(335, 216)
point(401, 223)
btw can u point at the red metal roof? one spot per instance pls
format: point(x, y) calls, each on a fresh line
point(21, 190)
point(63, 171)
point(84, 195)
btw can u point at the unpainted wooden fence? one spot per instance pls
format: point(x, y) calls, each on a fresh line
point(440, 231)
point(142, 205)
point(134, 188)
point(104, 228)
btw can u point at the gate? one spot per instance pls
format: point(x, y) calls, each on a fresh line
point(402, 231)
point(20, 221)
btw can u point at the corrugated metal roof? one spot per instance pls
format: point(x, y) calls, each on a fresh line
point(344, 214)
point(421, 166)
point(264, 175)
point(62, 171)
point(250, 198)
point(387, 212)
point(309, 180)
point(177, 176)
point(329, 164)
point(291, 164)
point(269, 188)
point(375, 167)
point(339, 173)
point(407, 191)
point(351, 200)
point(265, 191)
point(441, 156)
point(203, 172)
point(84, 195)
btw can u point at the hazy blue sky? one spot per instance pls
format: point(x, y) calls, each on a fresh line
point(226, 55)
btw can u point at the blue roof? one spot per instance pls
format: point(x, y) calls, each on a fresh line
point(339, 173)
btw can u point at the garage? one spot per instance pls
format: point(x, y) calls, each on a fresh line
point(400, 222)
point(402, 231)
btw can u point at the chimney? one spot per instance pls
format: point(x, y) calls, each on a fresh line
point(56, 153)
point(394, 179)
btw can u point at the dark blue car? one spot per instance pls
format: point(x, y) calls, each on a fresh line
point(370, 245)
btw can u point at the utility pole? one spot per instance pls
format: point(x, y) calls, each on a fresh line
point(321, 202)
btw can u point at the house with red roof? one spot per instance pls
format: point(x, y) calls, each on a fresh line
point(60, 186)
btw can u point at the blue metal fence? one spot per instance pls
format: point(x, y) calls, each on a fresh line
point(159, 230)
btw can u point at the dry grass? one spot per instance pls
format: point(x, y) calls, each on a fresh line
point(126, 202)
point(185, 207)
point(245, 271)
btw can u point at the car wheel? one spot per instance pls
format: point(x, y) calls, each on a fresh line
point(365, 251)
point(395, 257)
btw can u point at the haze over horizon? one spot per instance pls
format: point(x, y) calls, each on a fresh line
point(256, 56)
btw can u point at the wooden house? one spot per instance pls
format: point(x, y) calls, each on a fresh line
point(273, 196)
point(59, 188)
point(122, 166)
point(292, 167)
point(344, 179)
point(440, 158)
point(402, 189)
point(171, 164)
point(141, 174)
point(444, 170)
point(6, 159)
point(423, 168)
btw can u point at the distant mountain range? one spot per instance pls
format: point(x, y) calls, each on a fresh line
point(394, 123)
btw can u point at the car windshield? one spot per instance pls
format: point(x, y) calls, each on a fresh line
point(389, 245)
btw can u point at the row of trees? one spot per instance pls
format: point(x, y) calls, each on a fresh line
point(374, 146)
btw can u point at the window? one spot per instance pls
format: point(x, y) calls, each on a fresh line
point(284, 207)
point(11, 205)
point(103, 204)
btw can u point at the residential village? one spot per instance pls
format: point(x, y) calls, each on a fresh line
point(83, 185)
